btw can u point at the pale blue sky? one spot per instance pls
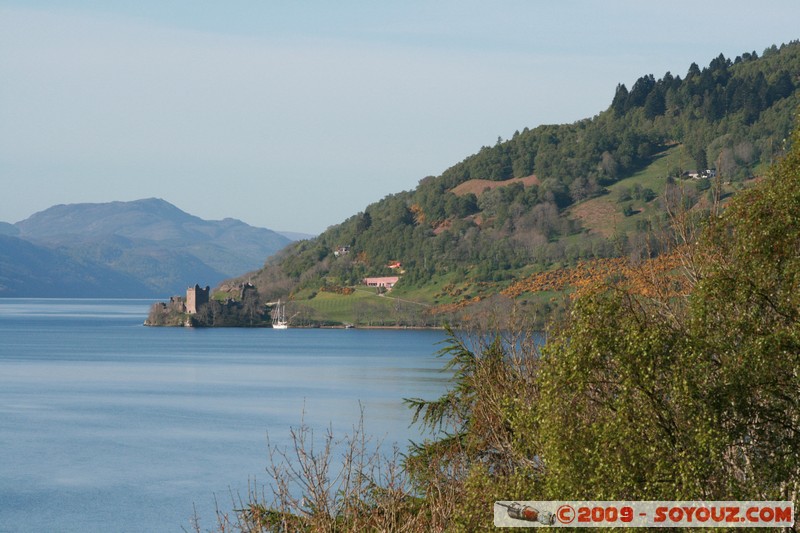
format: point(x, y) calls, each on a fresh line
point(296, 115)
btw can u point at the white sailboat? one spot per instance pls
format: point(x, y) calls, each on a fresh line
point(279, 317)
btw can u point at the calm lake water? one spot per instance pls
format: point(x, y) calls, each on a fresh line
point(106, 425)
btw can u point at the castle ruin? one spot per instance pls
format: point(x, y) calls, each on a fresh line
point(196, 297)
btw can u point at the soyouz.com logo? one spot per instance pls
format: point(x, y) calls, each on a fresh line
point(644, 513)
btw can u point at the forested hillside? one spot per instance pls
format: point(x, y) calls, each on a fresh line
point(553, 195)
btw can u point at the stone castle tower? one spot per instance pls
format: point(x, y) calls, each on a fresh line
point(196, 298)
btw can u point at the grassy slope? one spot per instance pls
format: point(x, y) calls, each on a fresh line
point(604, 215)
point(363, 307)
point(344, 308)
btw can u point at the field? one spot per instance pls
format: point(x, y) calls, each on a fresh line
point(363, 307)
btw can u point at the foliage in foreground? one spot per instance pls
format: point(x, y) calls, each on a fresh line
point(641, 394)
point(653, 398)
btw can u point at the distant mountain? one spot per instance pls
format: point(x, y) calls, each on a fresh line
point(28, 270)
point(151, 243)
point(8, 229)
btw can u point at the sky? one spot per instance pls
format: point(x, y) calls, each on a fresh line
point(296, 115)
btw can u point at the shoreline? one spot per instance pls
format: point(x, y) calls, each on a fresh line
point(370, 327)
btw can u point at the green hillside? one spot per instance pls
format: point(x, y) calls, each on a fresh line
point(550, 196)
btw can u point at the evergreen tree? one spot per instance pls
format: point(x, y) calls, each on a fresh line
point(654, 104)
point(640, 90)
point(620, 102)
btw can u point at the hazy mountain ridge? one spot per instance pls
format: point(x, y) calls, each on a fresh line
point(153, 247)
point(33, 271)
point(8, 229)
point(151, 219)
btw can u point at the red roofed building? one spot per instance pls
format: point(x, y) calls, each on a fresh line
point(388, 281)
